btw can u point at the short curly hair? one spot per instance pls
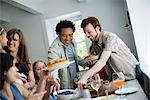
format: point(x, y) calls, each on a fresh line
point(64, 24)
point(92, 20)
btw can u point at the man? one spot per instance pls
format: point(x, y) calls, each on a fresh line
point(111, 50)
point(64, 47)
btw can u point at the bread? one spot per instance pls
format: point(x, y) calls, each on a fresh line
point(57, 62)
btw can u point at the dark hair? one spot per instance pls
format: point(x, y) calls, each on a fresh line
point(92, 20)
point(34, 64)
point(22, 53)
point(64, 24)
point(6, 63)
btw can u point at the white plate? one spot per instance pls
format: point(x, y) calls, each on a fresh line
point(126, 90)
point(91, 58)
point(67, 96)
point(59, 67)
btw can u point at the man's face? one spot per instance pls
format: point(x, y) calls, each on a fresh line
point(66, 35)
point(90, 32)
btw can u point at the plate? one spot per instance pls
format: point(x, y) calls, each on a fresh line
point(126, 90)
point(59, 67)
point(91, 58)
point(66, 94)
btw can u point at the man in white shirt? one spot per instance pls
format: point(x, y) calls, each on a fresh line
point(110, 48)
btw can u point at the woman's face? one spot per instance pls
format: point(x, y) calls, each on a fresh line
point(13, 44)
point(4, 39)
point(38, 67)
point(12, 74)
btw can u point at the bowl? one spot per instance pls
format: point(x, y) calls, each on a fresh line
point(67, 94)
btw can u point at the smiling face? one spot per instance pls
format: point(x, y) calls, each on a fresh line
point(91, 32)
point(13, 44)
point(11, 74)
point(66, 35)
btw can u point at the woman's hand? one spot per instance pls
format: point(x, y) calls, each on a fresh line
point(54, 82)
point(45, 74)
point(35, 96)
point(56, 85)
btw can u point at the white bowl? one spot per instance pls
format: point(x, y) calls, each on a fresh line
point(73, 94)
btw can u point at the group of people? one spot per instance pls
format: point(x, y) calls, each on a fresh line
point(114, 56)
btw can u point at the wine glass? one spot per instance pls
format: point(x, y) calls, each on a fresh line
point(118, 80)
point(95, 82)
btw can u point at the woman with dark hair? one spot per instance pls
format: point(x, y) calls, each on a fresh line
point(3, 39)
point(17, 48)
point(9, 90)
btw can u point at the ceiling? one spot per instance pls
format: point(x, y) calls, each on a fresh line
point(41, 6)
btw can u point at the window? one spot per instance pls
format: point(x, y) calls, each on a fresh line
point(79, 36)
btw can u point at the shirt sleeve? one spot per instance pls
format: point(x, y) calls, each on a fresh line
point(52, 54)
point(111, 43)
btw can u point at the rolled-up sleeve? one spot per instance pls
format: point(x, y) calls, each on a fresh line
point(52, 54)
point(111, 43)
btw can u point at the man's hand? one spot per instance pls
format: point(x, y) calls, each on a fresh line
point(91, 62)
point(81, 82)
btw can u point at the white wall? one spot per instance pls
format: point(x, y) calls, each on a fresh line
point(32, 27)
point(140, 18)
point(111, 13)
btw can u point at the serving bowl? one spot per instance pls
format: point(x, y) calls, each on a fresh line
point(67, 94)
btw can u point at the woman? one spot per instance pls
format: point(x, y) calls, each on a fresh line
point(3, 39)
point(37, 68)
point(17, 48)
point(9, 90)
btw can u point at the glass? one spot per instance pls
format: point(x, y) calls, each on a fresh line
point(95, 82)
point(118, 80)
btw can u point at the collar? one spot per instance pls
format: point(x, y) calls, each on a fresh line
point(100, 40)
point(60, 43)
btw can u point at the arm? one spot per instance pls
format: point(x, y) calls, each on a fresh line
point(53, 54)
point(30, 95)
point(31, 74)
point(97, 67)
point(44, 75)
point(31, 77)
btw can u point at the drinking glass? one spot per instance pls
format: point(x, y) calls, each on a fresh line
point(118, 80)
point(95, 82)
